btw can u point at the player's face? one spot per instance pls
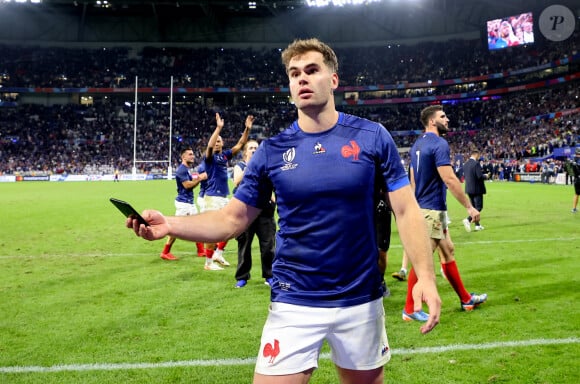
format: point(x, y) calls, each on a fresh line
point(251, 147)
point(311, 82)
point(219, 144)
point(441, 122)
point(188, 158)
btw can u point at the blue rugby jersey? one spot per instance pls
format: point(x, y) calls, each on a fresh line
point(184, 195)
point(216, 168)
point(326, 251)
point(429, 152)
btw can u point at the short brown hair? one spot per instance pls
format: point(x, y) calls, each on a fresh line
point(184, 149)
point(428, 112)
point(300, 47)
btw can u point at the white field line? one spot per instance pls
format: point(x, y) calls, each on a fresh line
point(248, 361)
point(398, 246)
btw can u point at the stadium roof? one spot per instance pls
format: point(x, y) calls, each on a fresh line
point(269, 21)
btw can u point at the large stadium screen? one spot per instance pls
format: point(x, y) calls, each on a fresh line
point(510, 31)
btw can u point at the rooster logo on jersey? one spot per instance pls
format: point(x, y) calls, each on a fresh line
point(350, 151)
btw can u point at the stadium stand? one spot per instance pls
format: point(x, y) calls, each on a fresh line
point(71, 109)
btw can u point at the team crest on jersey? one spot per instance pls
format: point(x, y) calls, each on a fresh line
point(351, 150)
point(288, 158)
point(318, 149)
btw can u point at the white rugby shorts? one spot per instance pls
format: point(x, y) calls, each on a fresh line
point(213, 203)
point(184, 209)
point(201, 203)
point(293, 336)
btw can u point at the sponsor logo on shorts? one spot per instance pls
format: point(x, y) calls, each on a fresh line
point(384, 350)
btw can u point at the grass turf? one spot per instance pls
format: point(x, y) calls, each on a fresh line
point(85, 301)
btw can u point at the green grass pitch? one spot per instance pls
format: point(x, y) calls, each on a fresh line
point(83, 300)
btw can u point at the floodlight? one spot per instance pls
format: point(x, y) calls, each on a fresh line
point(338, 3)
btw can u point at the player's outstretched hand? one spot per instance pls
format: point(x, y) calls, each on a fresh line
point(425, 291)
point(249, 121)
point(219, 121)
point(158, 227)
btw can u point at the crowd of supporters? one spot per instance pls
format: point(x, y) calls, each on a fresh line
point(38, 66)
point(99, 138)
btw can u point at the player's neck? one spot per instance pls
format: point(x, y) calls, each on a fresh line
point(320, 121)
point(433, 130)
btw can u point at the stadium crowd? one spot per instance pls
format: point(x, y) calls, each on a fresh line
point(259, 67)
point(96, 139)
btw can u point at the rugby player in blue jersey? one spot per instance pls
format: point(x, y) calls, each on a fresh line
point(326, 279)
point(184, 205)
point(431, 175)
point(217, 187)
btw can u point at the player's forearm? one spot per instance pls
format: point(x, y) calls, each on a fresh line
point(206, 227)
point(457, 192)
point(212, 140)
point(413, 231)
point(242, 141)
point(416, 243)
point(191, 184)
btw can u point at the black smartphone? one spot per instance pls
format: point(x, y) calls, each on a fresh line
point(128, 210)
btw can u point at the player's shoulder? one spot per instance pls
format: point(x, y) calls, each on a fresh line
point(286, 136)
point(357, 122)
point(437, 140)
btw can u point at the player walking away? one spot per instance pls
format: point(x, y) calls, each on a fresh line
point(431, 175)
point(327, 284)
point(401, 275)
point(217, 189)
point(576, 171)
point(264, 227)
point(474, 188)
point(184, 206)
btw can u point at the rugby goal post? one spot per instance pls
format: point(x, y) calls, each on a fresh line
point(168, 161)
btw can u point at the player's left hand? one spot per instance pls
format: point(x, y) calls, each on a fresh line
point(425, 291)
